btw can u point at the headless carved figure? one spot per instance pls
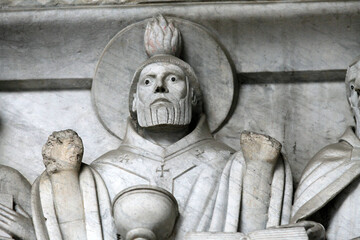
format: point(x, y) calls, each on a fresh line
point(261, 154)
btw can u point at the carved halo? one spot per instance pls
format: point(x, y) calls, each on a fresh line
point(126, 52)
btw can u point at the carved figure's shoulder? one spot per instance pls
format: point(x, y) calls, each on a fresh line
point(14, 183)
point(213, 153)
point(119, 155)
point(334, 152)
point(217, 146)
point(328, 157)
point(9, 175)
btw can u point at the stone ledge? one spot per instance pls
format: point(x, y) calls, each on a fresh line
point(244, 78)
point(66, 43)
point(10, 4)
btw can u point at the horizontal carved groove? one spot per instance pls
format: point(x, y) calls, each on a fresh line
point(244, 78)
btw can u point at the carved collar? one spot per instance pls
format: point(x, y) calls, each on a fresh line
point(199, 134)
point(350, 137)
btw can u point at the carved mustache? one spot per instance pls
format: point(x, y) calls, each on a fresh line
point(160, 100)
point(162, 97)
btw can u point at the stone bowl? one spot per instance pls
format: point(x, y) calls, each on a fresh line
point(145, 212)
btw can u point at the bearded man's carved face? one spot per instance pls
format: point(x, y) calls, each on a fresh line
point(162, 96)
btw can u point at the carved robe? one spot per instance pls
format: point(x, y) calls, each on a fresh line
point(97, 208)
point(204, 175)
point(14, 190)
point(329, 189)
point(14, 184)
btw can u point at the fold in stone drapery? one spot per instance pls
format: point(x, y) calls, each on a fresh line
point(221, 205)
point(97, 208)
point(204, 175)
point(329, 172)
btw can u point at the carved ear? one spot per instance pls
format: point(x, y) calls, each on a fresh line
point(134, 103)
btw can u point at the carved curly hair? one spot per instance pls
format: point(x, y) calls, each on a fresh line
point(58, 138)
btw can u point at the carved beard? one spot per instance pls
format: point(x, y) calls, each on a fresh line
point(173, 112)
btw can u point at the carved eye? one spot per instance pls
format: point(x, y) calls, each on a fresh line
point(147, 82)
point(173, 79)
point(352, 87)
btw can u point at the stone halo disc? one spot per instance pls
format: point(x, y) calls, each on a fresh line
point(126, 52)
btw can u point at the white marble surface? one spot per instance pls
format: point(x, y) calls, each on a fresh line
point(207, 58)
point(304, 117)
point(329, 186)
point(66, 43)
point(27, 118)
point(275, 37)
point(81, 210)
point(145, 211)
point(283, 37)
point(297, 233)
point(62, 3)
point(15, 208)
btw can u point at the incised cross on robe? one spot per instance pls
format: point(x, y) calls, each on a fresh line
point(162, 170)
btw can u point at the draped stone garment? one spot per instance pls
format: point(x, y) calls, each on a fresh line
point(16, 185)
point(97, 208)
point(204, 175)
point(331, 182)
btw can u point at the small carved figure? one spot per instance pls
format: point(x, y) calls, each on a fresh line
point(329, 189)
point(169, 145)
point(70, 200)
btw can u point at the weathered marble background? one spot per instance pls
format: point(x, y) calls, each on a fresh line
point(304, 117)
point(28, 118)
point(44, 53)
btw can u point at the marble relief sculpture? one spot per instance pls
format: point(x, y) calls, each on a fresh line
point(169, 179)
point(329, 189)
point(145, 212)
point(168, 145)
point(15, 207)
point(69, 200)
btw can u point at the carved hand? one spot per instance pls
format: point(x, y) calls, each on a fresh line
point(259, 147)
point(17, 224)
point(314, 230)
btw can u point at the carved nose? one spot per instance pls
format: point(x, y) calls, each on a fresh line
point(357, 84)
point(161, 89)
point(357, 91)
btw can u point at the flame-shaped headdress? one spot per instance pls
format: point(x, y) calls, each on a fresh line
point(162, 37)
point(163, 44)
